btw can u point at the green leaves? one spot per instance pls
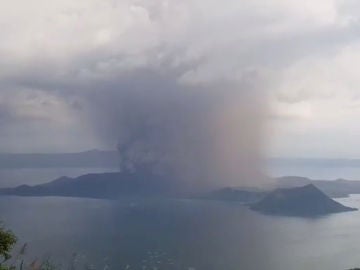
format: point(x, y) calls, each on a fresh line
point(7, 241)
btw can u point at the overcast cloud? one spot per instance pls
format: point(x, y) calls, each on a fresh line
point(68, 68)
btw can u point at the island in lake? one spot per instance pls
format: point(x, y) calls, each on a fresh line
point(306, 200)
point(299, 201)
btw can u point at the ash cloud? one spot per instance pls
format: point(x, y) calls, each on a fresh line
point(177, 86)
point(198, 134)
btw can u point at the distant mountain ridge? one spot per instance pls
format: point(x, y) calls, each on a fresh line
point(307, 200)
point(299, 201)
point(105, 159)
point(334, 188)
point(110, 159)
point(63, 185)
point(314, 162)
point(339, 188)
point(97, 185)
point(86, 159)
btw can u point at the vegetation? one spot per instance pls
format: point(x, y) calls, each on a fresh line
point(7, 241)
point(18, 262)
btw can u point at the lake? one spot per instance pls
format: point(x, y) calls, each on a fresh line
point(186, 233)
point(180, 234)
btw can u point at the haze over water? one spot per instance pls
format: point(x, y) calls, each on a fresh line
point(205, 235)
point(190, 233)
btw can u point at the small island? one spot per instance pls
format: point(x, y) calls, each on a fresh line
point(299, 201)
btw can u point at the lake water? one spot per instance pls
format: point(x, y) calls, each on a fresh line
point(181, 234)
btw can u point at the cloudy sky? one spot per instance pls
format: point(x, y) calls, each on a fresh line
point(63, 63)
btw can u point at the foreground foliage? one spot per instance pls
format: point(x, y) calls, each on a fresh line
point(7, 241)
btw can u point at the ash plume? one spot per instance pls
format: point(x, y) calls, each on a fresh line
point(197, 135)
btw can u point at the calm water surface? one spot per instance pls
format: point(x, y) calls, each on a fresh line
point(205, 235)
point(178, 234)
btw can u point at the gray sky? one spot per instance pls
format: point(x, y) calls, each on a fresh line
point(296, 62)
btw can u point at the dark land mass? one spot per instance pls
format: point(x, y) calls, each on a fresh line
point(111, 185)
point(299, 201)
point(97, 185)
point(110, 159)
point(307, 200)
point(335, 189)
point(123, 184)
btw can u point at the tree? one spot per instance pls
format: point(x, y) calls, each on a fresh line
point(7, 241)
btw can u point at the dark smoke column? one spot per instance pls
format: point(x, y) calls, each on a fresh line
point(195, 134)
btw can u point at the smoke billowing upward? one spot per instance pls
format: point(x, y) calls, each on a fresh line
point(171, 80)
point(197, 134)
point(172, 84)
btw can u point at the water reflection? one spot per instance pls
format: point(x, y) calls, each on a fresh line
point(187, 233)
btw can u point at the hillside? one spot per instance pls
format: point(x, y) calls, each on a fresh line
point(300, 201)
point(100, 185)
point(333, 188)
